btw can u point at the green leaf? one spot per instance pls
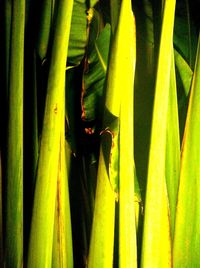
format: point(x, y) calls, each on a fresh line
point(93, 2)
point(187, 231)
point(185, 39)
point(156, 244)
point(184, 70)
point(114, 13)
point(78, 33)
point(184, 75)
point(143, 89)
point(102, 236)
point(94, 77)
point(14, 165)
point(44, 28)
point(172, 165)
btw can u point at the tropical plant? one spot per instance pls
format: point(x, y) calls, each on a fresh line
point(100, 126)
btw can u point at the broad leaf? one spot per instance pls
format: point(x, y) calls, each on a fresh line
point(94, 77)
point(156, 244)
point(187, 229)
point(184, 78)
point(184, 70)
point(78, 33)
point(185, 38)
point(143, 89)
point(172, 165)
point(102, 236)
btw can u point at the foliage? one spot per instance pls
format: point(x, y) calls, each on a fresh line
point(99, 151)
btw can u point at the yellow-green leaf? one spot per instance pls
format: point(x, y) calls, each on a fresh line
point(102, 236)
point(127, 223)
point(187, 229)
point(156, 244)
point(172, 148)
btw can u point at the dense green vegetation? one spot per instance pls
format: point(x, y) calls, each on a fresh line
point(99, 134)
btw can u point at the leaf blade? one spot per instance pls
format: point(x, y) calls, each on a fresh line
point(187, 235)
point(156, 244)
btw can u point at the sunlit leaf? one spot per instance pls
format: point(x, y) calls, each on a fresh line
point(184, 78)
point(184, 70)
point(127, 223)
point(172, 148)
point(102, 237)
point(187, 231)
point(156, 244)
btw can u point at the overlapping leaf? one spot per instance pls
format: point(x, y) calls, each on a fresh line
point(78, 33)
point(94, 77)
point(172, 165)
point(102, 237)
point(156, 247)
point(187, 231)
point(185, 38)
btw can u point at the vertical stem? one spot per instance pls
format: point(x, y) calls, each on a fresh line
point(127, 224)
point(8, 17)
point(14, 190)
point(41, 237)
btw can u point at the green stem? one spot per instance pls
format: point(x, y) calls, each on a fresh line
point(41, 237)
point(14, 185)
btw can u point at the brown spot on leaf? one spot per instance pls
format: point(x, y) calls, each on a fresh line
point(55, 109)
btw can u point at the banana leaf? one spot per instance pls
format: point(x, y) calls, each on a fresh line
point(187, 232)
point(172, 165)
point(143, 89)
point(107, 192)
point(78, 33)
point(94, 78)
point(156, 244)
point(114, 14)
point(184, 78)
point(185, 37)
point(184, 70)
